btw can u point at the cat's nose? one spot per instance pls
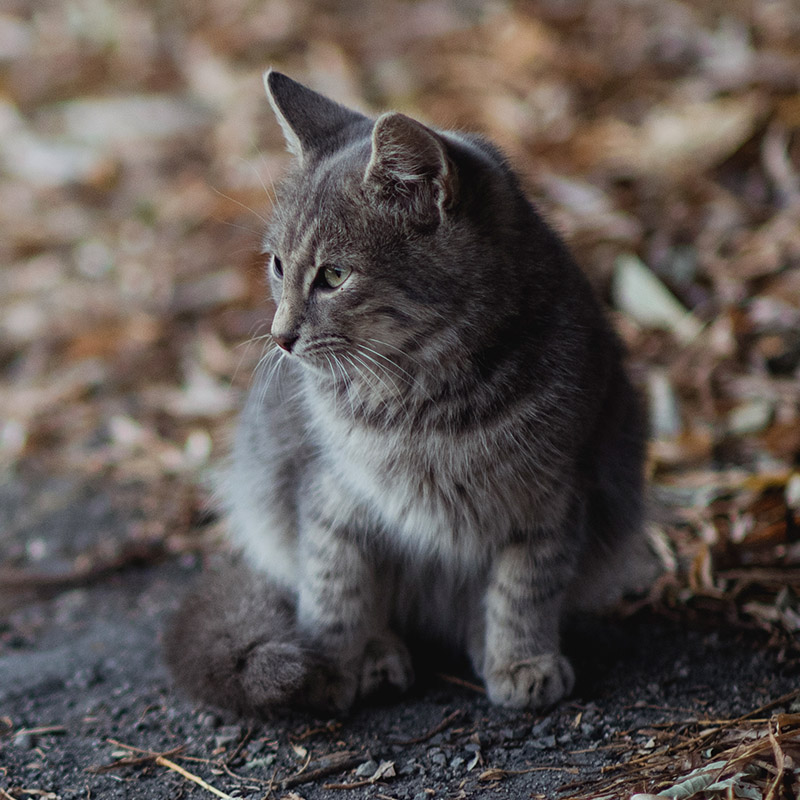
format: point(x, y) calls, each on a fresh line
point(285, 341)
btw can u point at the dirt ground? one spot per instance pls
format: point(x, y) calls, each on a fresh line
point(138, 159)
point(83, 691)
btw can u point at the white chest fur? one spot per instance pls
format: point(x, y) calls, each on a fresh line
point(435, 494)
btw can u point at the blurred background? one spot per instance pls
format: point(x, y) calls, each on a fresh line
point(138, 158)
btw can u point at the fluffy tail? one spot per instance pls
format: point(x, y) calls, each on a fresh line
point(234, 643)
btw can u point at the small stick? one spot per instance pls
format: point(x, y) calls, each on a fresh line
point(336, 762)
point(495, 774)
point(132, 761)
point(43, 730)
point(162, 761)
point(448, 720)
point(190, 776)
point(461, 682)
point(355, 785)
point(233, 756)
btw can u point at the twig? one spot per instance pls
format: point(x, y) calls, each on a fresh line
point(461, 682)
point(446, 722)
point(232, 757)
point(131, 554)
point(45, 729)
point(190, 776)
point(133, 761)
point(161, 760)
point(496, 774)
point(336, 762)
point(355, 785)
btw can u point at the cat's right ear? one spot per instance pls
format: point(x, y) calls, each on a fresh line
point(311, 123)
point(410, 169)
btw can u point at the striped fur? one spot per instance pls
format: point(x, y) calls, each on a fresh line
point(451, 448)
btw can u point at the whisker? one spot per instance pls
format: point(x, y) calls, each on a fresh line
point(389, 361)
point(346, 386)
point(247, 344)
point(391, 391)
point(273, 370)
point(274, 196)
point(413, 379)
point(239, 203)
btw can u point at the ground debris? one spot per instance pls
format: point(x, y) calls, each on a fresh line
point(749, 756)
point(139, 160)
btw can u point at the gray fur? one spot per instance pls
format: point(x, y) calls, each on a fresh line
point(452, 446)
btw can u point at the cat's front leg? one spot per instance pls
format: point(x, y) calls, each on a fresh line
point(520, 660)
point(343, 608)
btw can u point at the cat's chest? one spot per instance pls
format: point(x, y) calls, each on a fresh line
point(432, 492)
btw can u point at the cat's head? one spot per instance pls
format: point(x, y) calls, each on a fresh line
point(382, 246)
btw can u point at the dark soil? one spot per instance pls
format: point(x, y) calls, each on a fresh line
point(83, 668)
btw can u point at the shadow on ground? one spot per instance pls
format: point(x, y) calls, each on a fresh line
point(83, 686)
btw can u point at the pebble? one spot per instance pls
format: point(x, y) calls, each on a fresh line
point(544, 743)
point(85, 678)
point(259, 763)
point(543, 727)
point(207, 720)
point(519, 732)
point(227, 734)
point(366, 769)
point(23, 741)
point(255, 747)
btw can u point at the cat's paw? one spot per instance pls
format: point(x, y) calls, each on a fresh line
point(386, 665)
point(383, 665)
point(332, 690)
point(535, 682)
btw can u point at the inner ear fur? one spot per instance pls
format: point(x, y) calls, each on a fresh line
point(410, 166)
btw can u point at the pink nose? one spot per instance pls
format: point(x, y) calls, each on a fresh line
point(285, 341)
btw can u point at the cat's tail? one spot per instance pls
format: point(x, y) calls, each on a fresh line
point(234, 643)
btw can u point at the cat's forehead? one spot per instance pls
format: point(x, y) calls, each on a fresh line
point(323, 209)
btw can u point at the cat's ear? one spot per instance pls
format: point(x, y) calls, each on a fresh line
point(410, 168)
point(311, 123)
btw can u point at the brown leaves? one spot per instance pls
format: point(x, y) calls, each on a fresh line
point(662, 137)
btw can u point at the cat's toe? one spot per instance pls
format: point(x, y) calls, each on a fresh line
point(386, 665)
point(331, 690)
point(535, 682)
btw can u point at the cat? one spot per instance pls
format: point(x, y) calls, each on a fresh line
point(444, 441)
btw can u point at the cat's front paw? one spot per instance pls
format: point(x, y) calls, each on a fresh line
point(386, 665)
point(535, 682)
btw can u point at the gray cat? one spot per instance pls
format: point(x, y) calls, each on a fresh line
point(444, 441)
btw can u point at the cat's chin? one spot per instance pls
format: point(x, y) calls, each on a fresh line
point(326, 371)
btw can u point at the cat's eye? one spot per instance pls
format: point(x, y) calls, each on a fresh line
point(277, 267)
point(332, 276)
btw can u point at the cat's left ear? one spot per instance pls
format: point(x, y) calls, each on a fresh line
point(410, 169)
